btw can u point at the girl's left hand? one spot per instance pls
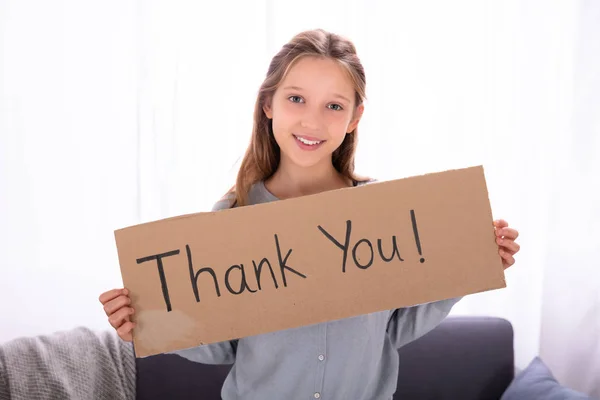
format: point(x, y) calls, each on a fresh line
point(505, 238)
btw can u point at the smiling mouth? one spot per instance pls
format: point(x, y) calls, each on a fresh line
point(308, 142)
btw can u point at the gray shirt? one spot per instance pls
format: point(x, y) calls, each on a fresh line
point(354, 358)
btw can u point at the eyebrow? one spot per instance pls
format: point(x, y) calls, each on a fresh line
point(300, 89)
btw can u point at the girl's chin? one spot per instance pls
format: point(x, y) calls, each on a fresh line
point(302, 161)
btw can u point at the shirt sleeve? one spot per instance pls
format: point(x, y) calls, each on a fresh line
point(224, 203)
point(408, 324)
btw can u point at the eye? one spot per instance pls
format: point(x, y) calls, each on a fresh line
point(336, 107)
point(295, 99)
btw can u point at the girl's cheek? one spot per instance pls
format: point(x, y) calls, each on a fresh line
point(337, 117)
point(289, 105)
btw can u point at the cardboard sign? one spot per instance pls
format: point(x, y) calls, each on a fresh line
point(217, 276)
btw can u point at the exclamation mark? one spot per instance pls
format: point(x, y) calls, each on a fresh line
point(416, 232)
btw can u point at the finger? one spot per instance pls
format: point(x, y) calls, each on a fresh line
point(512, 253)
point(507, 259)
point(500, 223)
point(125, 331)
point(112, 294)
point(115, 304)
point(509, 233)
point(509, 246)
point(120, 316)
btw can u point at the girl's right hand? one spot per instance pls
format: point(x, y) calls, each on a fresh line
point(116, 304)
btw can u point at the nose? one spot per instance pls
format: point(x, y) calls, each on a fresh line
point(311, 119)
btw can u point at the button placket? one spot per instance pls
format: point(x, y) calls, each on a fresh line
point(321, 351)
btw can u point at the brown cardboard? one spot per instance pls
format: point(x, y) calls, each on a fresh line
point(442, 224)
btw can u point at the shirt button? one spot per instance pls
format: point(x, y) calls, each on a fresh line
point(317, 395)
point(321, 357)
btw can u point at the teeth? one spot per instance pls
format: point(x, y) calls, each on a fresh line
point(308, 142)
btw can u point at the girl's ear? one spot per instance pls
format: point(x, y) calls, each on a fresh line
point(267, 109)
point(357, 116)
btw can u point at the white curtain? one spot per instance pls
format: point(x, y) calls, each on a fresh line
point(123, 112)
point(570, 315)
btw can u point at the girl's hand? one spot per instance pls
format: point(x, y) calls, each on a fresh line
point(505, 238)
point(116, 306)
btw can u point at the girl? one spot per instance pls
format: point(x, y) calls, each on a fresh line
point(303, 142)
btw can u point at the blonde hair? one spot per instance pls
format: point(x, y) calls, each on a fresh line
point(262, 156)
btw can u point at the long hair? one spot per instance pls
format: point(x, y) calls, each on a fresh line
point(262, 156)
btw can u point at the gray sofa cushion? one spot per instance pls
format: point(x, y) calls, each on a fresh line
point(536, 382)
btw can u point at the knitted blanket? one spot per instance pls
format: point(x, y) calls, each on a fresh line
point(77, 364)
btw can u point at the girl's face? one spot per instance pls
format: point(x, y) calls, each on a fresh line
point(312, 111)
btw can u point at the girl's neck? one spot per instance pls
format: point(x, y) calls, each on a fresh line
point(293, 181)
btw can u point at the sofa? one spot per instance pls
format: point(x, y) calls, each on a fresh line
point(467, 358)
point(463, 358)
